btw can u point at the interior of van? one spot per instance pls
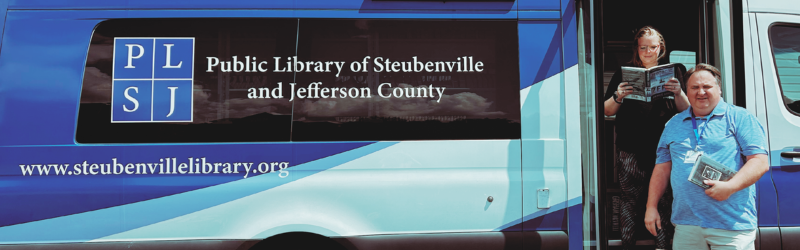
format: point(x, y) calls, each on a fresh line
point(686, 26)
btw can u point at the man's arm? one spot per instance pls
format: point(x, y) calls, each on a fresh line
point(658, 184)
point(681, 101)
point(753, 169)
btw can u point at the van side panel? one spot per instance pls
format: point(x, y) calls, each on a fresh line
point(3, 9)
point(378, 187)
point(542, 125)
point(573, 134)
point(351, 7)
point(42, 75)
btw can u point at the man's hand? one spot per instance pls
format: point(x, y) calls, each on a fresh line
point(753, 169)
point(720, 190)
point(658, 183)
point(652, 220)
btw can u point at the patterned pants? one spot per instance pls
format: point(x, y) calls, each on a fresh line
point(634, 177)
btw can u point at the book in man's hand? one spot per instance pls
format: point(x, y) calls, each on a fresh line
point(707, 169)
point(650, 84)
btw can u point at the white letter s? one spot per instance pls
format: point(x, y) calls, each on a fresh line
point(130, 98)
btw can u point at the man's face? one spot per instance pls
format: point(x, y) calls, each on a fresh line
point(703, 92)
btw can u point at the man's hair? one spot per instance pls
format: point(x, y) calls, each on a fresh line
point(711, 69)
point(643, 32)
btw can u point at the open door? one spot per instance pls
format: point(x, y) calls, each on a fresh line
point(588, 124)
point(680, 22)
point(759, 57)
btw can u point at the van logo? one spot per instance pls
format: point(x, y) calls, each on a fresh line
point(152, 79)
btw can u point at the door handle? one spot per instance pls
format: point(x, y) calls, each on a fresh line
point(790, 154)
point(790, 160)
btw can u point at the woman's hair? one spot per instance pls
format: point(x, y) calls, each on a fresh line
point(647, 31)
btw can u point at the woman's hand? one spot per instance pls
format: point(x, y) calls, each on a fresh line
point(674, 86)
point(624, 89)
point(610, 106)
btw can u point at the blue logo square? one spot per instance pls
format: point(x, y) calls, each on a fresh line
point(131, 101)
point(172, 100)
point(133, 58)
point(153, 80)
point(177, 60)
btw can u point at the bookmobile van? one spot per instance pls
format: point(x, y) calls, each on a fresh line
point(355, 124)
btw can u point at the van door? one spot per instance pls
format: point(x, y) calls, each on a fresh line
point(779, 37)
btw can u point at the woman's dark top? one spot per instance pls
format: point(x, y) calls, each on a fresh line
point(639, 124)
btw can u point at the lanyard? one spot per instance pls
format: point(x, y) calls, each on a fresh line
point(696, 135)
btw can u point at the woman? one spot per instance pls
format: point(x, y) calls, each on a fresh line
point(639, 125)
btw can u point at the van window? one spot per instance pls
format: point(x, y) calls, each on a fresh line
point(259, 80)
point(687, 58)
point(222, 112)
point(785, 41)
point(426, 80)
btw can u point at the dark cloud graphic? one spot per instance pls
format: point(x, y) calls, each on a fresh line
point(96, 86)
point(206, 109)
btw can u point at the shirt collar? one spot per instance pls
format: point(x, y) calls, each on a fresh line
point(719, 110)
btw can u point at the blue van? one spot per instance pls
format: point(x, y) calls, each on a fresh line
point(354, 124)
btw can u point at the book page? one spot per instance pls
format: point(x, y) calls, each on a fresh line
point(636, 78)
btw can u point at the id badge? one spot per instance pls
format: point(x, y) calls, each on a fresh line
point(691, 156)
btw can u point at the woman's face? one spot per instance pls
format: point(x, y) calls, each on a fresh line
point(649, 49)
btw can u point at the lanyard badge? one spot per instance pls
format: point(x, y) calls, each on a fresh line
point(691, 155)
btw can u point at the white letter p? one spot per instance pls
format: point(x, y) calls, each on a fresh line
point(130, 54)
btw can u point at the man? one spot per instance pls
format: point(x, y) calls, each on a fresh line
point(723, 216)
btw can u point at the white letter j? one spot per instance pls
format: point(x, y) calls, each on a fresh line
point(171, 100)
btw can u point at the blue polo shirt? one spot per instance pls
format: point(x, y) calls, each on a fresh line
point(727, 135)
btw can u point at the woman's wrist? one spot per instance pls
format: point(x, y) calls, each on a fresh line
point(616, 98)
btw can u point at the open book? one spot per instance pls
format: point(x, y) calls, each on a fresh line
point(707, 169)
point(649, 84)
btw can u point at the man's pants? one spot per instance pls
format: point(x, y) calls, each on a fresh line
point(699, 238)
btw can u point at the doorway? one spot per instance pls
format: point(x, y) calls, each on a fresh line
point(615, 25)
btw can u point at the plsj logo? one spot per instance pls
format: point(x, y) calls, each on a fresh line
point(152, 79)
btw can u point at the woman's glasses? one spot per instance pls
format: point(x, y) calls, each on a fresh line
point(648, 48)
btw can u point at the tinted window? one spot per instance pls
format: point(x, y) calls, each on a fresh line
point(259, 80)
point(408, 80)
point(786, 50)
point(222, 111)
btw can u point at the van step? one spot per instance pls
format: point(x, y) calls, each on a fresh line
point(638, 242)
